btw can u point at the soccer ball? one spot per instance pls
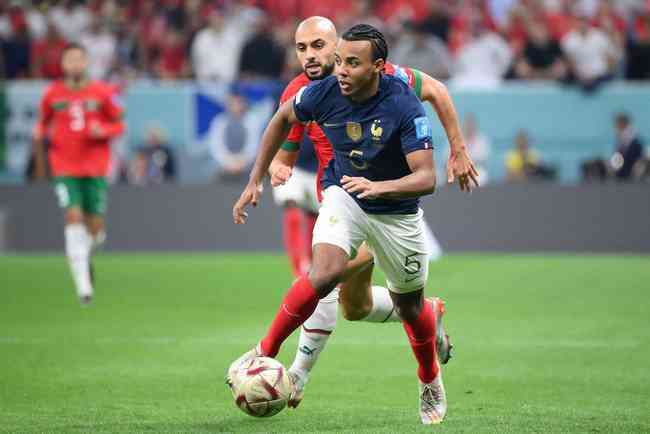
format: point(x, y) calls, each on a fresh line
point(261, 387)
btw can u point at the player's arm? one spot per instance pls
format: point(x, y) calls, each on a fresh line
point(420, 182)
point(282, 166)
point(274, 135)
point(284, 161)
point(38, 137)
point(112, 124)
point(460, 164)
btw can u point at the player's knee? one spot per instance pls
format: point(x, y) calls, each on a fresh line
point(73, 216)
point(355, 312)
point(325, 276)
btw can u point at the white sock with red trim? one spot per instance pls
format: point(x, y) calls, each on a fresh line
point(314, 334)
point(383, 309)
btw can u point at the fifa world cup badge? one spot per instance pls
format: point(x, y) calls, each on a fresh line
point(354, 130)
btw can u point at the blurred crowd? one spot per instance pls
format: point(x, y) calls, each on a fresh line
point(469, 42)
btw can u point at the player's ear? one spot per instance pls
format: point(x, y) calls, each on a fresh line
point(379, 65)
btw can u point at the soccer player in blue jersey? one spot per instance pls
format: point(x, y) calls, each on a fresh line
point(383, 164)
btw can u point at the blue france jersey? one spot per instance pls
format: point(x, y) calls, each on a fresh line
point(370, 139)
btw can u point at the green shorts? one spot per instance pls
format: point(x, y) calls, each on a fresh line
point(88, 193)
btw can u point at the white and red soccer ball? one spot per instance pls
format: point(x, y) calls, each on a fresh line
point(261, 387)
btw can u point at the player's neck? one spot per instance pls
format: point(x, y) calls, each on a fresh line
point(368, 92)
point(76, 83)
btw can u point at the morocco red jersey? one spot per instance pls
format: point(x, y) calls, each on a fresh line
point(67, 116)
point(322, 146)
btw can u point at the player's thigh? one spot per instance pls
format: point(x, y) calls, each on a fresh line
point(400, 250)
point(340, 222)
point(299, 189)
point(94, 196)
point(69, 197)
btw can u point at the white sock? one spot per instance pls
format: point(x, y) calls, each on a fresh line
point(383, 309)
point(433, 246)
point(77, 248)
point(314, 334)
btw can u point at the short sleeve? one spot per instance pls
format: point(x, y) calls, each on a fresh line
point(415, 127)
point(296, 133)
point(308, 100)
point(112, 106)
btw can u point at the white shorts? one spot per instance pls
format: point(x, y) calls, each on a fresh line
point(300, 188)
point(397, 241)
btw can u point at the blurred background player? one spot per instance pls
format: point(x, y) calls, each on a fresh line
point(315, 40)
point(299, 202)
point(78, 118)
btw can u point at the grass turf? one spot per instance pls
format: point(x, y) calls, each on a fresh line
point(543, 344)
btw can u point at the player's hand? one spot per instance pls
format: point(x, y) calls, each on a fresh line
point(96, 131)
point(355, 184)
point(460, 166)
point(250, 195)
point(280, 173)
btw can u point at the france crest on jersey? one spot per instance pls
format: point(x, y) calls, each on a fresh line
point(370, 139)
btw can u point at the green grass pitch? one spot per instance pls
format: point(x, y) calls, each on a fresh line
point(543, 344)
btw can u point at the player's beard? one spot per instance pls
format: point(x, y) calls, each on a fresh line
point(326, 72)
point(77, 80)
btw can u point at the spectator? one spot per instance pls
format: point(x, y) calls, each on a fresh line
point(262, 56)
point(46, 55)
point(627, 161)
point(127, 54)
point(16, 50)
point(524, 163)
point(101, 46)
point(501, 10)
point(629, 149)
point(36, 20)
point(221, 37)
point(137, 170)
point(638, 49)
point(70, 18)
point(478, 146)
point(172, 63)
point(437, 22)
point(421, 50)
point(484, 60)
point(360, 11)
point(541, 57)
point(591, 54)
point(155, 162)
point(232, 144)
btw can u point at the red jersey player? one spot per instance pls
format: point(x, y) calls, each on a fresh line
point(78, 117)
point(315, 45)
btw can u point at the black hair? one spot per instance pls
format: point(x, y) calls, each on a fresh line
point(74, 46)
point(366, 32)
point(623, 118)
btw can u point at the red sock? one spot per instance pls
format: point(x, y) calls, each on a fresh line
point(422, 337)
point(293, 237)
point(298, 305)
